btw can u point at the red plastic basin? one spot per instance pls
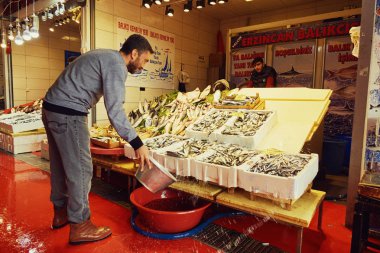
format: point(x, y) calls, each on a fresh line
point(167, 221)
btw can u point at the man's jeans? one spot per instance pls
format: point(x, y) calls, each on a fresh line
point(70, 163)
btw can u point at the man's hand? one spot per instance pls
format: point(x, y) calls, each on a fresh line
point(143, 155)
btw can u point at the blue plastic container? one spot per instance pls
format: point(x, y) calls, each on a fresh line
point(347, 153)
point(333, 155)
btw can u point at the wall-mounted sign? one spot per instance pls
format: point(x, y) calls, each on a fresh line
point(294, 63)
point(294, 34)
point(159, 72)
point(241, 63)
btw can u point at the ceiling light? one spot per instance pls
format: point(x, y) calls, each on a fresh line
point(50, 15)
point(169, 11)
point(62, 9)
point(18, 40)
point(56, 12)
point(158, 2)
point(211, 2)
point(44, 16)
point(10, 32)
point(35, 28)
point(51, 29)
point(200, 4)
point(166, 1)
point(188, 6)
point(3, 41)
point(222, 1)
point(147, 3)
point(26, 34)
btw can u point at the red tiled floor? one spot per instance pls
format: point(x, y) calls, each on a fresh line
point(26, 213)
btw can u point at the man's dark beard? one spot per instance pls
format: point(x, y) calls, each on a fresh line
point(132, 68)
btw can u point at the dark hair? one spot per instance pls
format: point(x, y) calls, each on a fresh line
point(257, 59)
point(136, 41)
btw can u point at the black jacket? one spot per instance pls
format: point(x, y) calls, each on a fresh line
point(259, 80)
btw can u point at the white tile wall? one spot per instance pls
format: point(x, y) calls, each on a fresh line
point(191, 41)
point(39, 62)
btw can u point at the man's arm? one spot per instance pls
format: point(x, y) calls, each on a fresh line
point(114, 94)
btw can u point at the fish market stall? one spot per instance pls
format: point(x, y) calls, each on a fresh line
point(241, 158)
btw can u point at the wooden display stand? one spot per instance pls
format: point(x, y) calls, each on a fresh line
point(300, 216)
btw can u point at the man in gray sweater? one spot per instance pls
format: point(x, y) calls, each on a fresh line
point(97, 73)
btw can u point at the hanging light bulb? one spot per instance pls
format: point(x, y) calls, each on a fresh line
point(10, 27)
point(51, 29)
point(3, 41)
point(50, 15)
point(35, 25)
point(60, 22)
point(56, 23)
point(26, 34)
point(62, 9)
point(44, 16)
point(3, 36)
point(10, 32)
point(18, 40)
point(34, 31)
point(56, 12)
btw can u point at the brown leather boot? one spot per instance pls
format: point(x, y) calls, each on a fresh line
point(87, 232)
point(60, 217)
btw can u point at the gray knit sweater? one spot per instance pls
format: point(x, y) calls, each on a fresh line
point(101, 72)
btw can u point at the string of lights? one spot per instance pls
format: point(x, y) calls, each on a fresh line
point(28, 29)
point(187, 4)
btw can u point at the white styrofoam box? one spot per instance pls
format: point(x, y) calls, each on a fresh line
point(130, 152)
point(9, 125)
point(208, 172)
point(279, 187)
point(23, 143)
point(246, 141)
point(23, 148)
point(45, 149)
point(10, 115)
point(205, 135)
point(175, 165)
